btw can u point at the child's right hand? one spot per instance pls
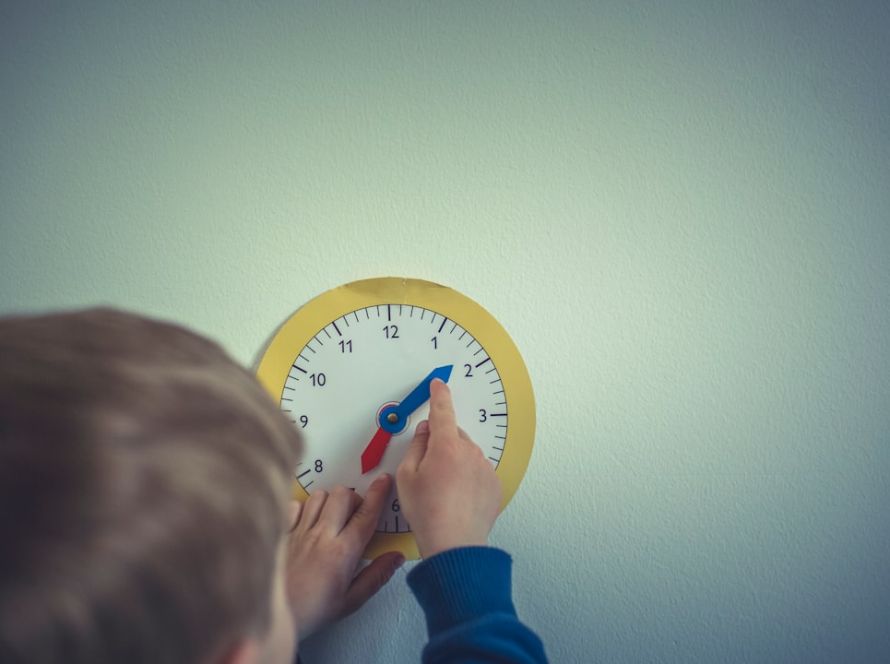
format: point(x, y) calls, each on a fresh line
point(447, 489)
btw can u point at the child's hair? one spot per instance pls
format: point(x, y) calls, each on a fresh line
point(144, 481)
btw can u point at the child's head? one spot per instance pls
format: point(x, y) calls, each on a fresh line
point(144, 485)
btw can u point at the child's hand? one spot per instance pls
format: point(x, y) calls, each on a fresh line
point(447, 489)
point(329, 535)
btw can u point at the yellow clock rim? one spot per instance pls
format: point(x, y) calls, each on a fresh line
point(302, 326)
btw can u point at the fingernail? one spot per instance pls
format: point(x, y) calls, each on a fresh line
point(381, 478)
point(398, 562)
point(423, 427)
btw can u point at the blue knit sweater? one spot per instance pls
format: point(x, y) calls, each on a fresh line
point(467, 598)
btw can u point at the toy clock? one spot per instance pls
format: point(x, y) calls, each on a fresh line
point(352, 369)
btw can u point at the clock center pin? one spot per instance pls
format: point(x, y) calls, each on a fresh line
point(390, 419)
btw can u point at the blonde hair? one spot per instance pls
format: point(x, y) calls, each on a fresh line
point(144, 479)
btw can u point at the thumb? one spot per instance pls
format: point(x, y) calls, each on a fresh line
point(370, 580)
point(417, 447)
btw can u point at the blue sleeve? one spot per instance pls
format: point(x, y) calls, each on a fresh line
point(467, 598)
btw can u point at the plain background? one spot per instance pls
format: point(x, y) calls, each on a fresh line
point(680, 211)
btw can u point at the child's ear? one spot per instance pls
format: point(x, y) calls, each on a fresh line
point(246, 651)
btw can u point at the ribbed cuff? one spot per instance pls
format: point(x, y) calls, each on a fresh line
point(459, 585)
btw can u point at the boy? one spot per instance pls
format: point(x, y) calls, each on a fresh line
point(144, 505)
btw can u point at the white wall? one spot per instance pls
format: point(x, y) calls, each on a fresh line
point(681, 216)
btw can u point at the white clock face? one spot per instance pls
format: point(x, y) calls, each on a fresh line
point(371, 358)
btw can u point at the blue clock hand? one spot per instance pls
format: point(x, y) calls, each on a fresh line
point(421, 394)
point(392, 417)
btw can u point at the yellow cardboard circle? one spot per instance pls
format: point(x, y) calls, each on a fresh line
point(319, 312)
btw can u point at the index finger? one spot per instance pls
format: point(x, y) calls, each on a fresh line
point(442, 418)
point(364, 520)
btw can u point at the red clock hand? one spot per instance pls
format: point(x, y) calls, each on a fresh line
point(375, 449)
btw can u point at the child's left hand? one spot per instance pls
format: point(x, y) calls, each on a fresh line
point(330, 532)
